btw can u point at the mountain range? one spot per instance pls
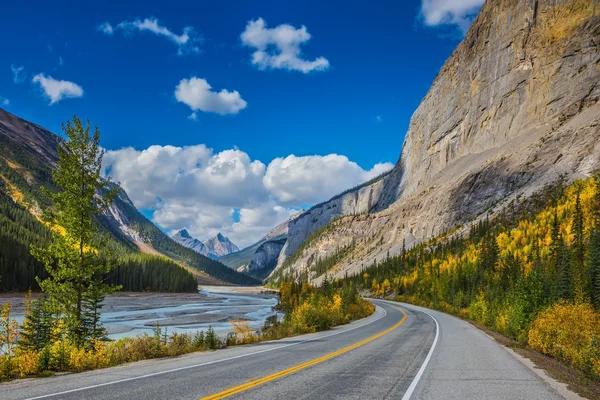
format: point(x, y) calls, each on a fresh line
point(215, 247)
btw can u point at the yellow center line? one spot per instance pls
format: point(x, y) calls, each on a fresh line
point(285, 372)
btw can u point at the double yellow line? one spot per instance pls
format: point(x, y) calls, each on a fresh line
point(285, 372)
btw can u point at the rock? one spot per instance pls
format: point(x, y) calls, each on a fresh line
point(521, 89)
point(265, 258)
point(219, 246)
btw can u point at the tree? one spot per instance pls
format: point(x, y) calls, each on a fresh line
point(578, 250)
point(36, 327)
point(563, 268)
point(594, 254)
point(92, 304)
point(74, 266)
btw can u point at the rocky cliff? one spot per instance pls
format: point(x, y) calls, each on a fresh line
point(265, 258)
point(514, 106)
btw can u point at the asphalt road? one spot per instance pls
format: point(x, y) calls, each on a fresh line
point(395, 353)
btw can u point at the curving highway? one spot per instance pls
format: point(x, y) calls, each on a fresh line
point(400, 352)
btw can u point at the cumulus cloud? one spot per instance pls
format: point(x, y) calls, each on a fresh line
point(196, 188)
point(56, 90)
point(450, 12)
point(187, 42)
point(187, 174)
point(4, 101)
point(197, 94)
point(279, 47)
point(18, 73)
point(311, 179)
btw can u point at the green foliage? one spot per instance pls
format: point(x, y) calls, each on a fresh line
point(145, 272)
point(36, 328)
point(74, 267)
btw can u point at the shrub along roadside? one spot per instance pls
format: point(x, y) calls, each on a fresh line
point(306, 309)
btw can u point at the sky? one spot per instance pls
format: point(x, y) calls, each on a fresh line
point(230, 116)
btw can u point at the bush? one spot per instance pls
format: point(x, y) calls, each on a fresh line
point(569, 332)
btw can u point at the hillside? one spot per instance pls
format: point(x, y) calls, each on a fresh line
point(513, 107)
point(27, 156)
point(242, 258)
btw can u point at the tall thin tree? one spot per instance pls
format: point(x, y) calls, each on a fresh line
point(74, 265)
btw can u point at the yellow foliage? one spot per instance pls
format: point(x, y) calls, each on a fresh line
point(569, 332)
point(28, 363)
point(242, 331)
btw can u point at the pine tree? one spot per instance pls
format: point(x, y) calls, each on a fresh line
point(565, 278)
point(594, 254)
point(211, 340)
point(35, 330)
point(73, 264)
point(555, 248)
point(92, 304)
point(578, 251)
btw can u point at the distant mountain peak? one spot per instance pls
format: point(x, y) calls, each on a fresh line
point(184, 234)
point(220, 246)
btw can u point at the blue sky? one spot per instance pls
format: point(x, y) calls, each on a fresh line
point(182, 92)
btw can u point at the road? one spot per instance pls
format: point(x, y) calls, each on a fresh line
point(399, 352)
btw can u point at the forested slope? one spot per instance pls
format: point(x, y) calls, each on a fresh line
point(27, 156)
point(532, 272)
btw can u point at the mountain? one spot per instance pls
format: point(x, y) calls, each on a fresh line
point(514, 107)
point(219, 246)
point(186, 240)
point(213, 248)
point(240, 259)
point(27, 156)
point(265, 258)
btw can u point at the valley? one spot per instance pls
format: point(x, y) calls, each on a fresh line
point(122, 265)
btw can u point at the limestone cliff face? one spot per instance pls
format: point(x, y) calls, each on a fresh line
point(265, 258)
point(514, 106)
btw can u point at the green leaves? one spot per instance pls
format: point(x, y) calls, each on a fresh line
point(76, 269)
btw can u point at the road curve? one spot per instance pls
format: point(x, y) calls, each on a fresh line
point(390, 354)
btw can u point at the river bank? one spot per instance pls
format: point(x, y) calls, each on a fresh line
point(128, 314)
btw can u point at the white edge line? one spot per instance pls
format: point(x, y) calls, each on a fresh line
point(413, 384)
point(133, 378)
point(415, 381)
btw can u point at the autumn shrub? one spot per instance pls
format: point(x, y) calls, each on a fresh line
point(28, 363)
point(569, 332)
point(241, 332)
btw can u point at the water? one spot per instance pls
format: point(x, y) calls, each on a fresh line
point(130, 315)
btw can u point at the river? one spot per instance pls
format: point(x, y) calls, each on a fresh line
point(132, 314)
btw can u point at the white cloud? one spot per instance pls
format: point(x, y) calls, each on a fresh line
point(197, 94)
point(106, 28)
point(18, 73)
point(195, 188)
point(378, 118)
point(193, 116)
point(56, 90)
point(279, 47)
point(186, 42)
point(4, 101)
point(450, 12)
point(298, 181)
